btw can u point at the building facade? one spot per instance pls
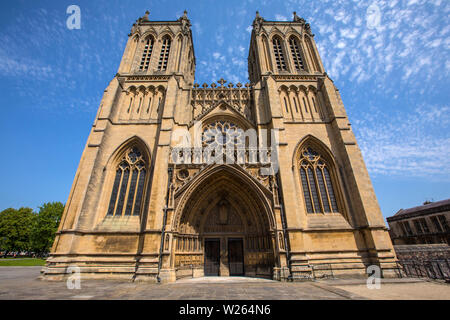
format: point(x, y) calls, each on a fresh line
point(426, 224)
point(262, 179)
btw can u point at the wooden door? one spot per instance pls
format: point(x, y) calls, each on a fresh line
point(236, 257)
point(212, 257)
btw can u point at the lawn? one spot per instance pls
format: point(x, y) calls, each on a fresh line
point(22, 262)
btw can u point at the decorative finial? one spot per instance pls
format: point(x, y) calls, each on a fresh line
point(145, 17)
point(221, 81)
point(185, 13)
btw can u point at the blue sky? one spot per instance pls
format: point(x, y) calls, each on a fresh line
point(393, 77)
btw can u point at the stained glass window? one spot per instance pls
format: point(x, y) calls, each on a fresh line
point(323, 191)
point(306, 193)
point(127, 191)
point(317, 185)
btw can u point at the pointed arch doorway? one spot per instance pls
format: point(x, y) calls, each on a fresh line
point(225, 227)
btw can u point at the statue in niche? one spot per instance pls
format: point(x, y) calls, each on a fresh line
point(223, 212)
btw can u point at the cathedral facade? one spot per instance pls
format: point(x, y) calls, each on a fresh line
point(180, 179)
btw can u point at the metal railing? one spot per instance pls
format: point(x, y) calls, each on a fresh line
point(438, 269)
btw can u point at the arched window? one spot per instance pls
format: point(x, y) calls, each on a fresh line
point(296, 53)
point(317, 186)
point(279, 56)
point(146, 54)
point(128, 187)
point(164, 57)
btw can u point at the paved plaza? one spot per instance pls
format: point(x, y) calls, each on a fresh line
point(24, 283)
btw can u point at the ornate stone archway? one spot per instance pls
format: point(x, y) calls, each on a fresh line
point(224, 205)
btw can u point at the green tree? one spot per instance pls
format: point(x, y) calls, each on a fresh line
point(15, 228)
point(45, 225)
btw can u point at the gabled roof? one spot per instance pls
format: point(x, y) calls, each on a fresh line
point(433, 207)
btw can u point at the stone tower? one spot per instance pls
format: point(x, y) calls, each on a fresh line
point(180, 179)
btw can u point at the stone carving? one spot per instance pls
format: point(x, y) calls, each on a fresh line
point(257, 23)
point(205, 99)
point(298, 19)
point(223, 211)
point(185, 23)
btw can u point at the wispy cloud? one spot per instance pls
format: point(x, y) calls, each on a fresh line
point(413, 144)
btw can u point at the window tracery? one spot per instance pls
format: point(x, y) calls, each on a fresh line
point(222, 133)
point(317, 185)
point(128, 188)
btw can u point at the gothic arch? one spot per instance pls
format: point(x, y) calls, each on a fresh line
point(149, 33)
point(293, 88)
point(275, 32)
point(312, 88)
point(283, 87)
point(329, 159)
point(166, 32)
point(315, 65)
point(131, 89)
point(142, 163)
point(232, 117)
point(315, 142)
point(136, 37)
point(118, 152)
point(224, 203)
point(222, 109)
point(266, 51)
point(296, 52)
point(260, 197)
point(279, 52)
point(161, 88)
point(292, 33)
point(303, 88)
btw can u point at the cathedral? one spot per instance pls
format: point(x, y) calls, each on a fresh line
point(180, 179)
